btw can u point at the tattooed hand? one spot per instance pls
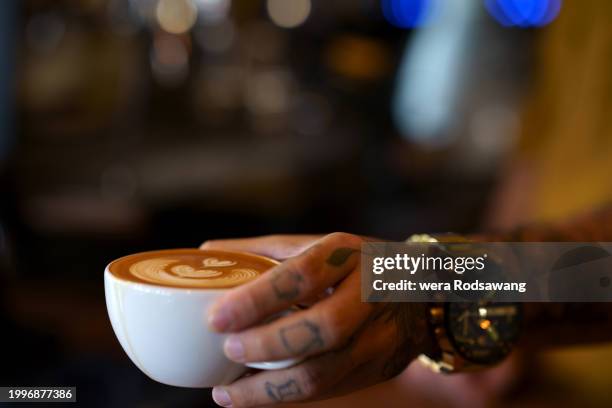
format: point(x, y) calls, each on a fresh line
point(344, 344)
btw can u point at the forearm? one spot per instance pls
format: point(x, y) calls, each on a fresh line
point(564, 324)
point(558, 324)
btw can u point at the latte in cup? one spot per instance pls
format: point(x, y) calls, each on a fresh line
point(158, 304)
point(189, 268)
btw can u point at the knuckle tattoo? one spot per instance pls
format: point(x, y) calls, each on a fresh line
point(286, 285)
point(340, 256)
point(301, 338)
point(283, 391)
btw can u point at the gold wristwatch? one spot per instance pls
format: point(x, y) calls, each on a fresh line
point(469, 335)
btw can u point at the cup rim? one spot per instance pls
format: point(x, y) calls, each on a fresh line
point(150, 285)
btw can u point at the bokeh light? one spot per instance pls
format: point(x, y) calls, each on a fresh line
point(523, 13)
point(288, 13)
point(213, 10)
point(407, 13)
point(430, 75)
point(176, 16)
point(268, 92)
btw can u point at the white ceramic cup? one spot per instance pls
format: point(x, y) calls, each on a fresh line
point(164, 331)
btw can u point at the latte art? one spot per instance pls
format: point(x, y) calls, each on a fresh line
point(192, 268)
point(187, 271)
point(158, 271)
point(212, 262)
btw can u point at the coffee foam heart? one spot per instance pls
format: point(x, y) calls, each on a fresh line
point(217, 263)
point(186, 271)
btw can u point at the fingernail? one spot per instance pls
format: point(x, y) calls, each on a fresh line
point(234, 349)
point(219, 319)
point(221, 397)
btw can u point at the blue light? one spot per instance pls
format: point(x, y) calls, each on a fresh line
point(523, 13)
point(431, 74)
point(407, 13)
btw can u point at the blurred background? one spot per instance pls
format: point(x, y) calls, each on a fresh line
point(130, 125)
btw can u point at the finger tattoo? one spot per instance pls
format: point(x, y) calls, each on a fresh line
point(283, 391)
point(286, 285)
point(340, 256)
point(302, 337)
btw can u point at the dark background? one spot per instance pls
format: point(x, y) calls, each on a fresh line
point(126, 128)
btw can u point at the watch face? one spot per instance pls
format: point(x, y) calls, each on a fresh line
point(483, 333)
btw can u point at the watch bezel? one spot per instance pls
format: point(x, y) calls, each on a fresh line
point(457, 348)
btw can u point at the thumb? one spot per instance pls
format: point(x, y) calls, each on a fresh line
point(274, 246)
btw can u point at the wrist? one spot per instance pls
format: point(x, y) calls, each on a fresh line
point(416, 336)
point(413, 336)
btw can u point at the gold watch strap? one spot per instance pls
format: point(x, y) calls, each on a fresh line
point(447, 360)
